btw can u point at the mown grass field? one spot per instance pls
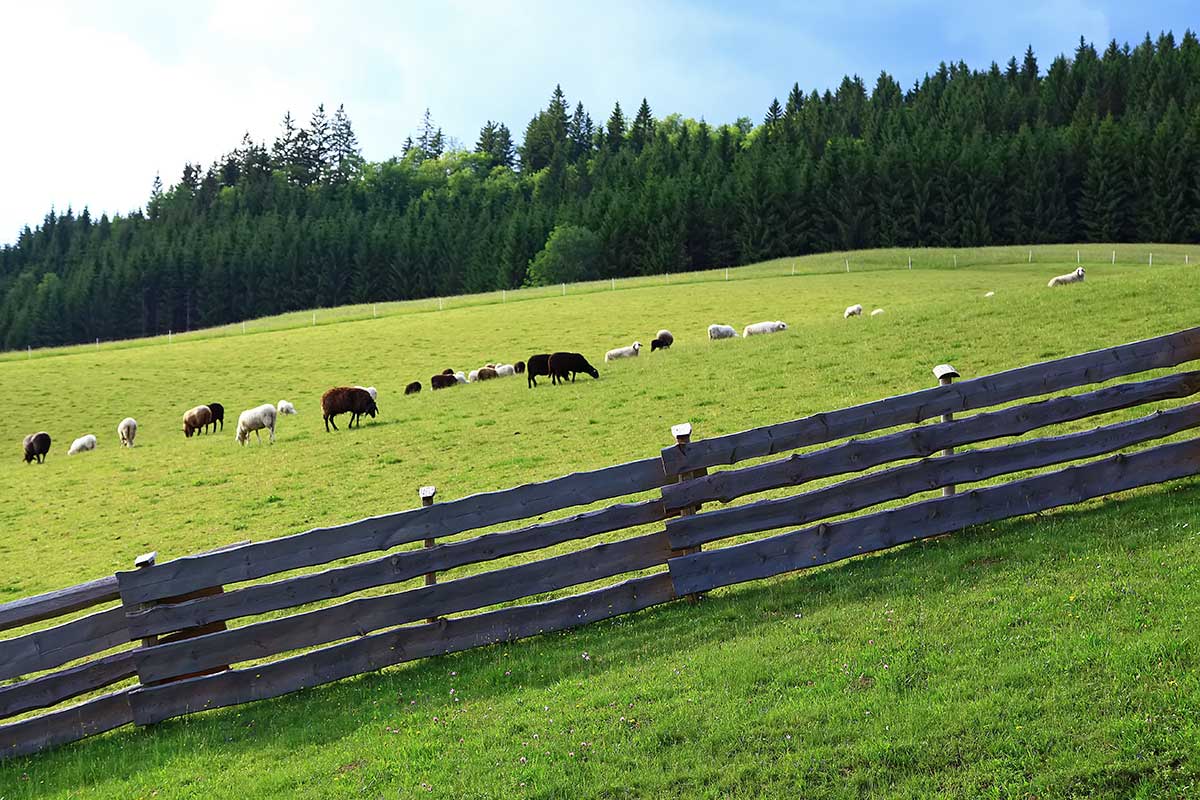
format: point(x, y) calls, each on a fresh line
point(1046, 657)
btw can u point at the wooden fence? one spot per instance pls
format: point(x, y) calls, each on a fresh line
point(294, 628)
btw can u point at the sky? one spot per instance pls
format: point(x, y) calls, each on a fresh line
point(99, 97)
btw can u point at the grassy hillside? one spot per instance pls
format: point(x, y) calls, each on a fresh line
point(1047, 657)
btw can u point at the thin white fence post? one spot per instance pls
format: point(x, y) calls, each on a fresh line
point(847, 265)
point(243, 326)
point(439, 304)
point(727, 273)
point(1152, 259)
point(1077, 257)
point(564, 288)
point(1030, 256)
point(614, 283)
point(793, 268)
point(956, 260)
point(910, 262)
point(1114, 261)
point(97, 343)
point(374, 310)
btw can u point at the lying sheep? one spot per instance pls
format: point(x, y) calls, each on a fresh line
point(473, 376)
point(852, 311)
point(218, 415)
point(519, 367)
point(877, 312)
point(721, 332)
point(460, 377)
point(82, 445)
point(763, 327)
point(36, 445)
point(442, 381)
point(990, 294)
point(506, 370)
point(539, 364)
point(486, 374)
point(351, 400)
point(413, 388)
point(1070, 277)
point(127, 430)
point(630, 351)
point(662, 340)
point(285, 407)
point(256, 419)
point(562, 365)
point(196, 420)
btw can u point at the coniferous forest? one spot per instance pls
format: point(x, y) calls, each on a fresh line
point(1098, 147)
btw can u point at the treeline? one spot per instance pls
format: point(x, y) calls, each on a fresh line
point(1099, 147)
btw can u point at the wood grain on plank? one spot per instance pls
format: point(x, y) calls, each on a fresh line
point(67, 725)
point(52, 647)
point(49, 690)
point(27, 610)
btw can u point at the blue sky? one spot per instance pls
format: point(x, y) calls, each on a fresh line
point(100, 98)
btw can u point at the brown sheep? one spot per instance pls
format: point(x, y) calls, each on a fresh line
point(519, 367)
point(196, 419)
point(413, 388)
point(442, 381)
point(487, 373)
point(36, 446)
point(562, 365)
point(539, 364)
point(347, 400)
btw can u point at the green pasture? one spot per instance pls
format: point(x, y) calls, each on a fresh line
point(1053, 656)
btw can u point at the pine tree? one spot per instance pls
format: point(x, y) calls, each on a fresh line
point(318, 153)
point(642, 129)
point(346, 157)
point(1103, 207)
point(615, 129)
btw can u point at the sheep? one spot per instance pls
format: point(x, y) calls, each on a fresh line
point(852, 311)
point(448, 372)
point(82, 445)
point(413, 388)
point(506, 371)
point(371, 391)
point(562, 365)
point(350, 400)
point(519, 367)
point(285, 407)
point(460, 377)
point(877, 312)
point(1070, 277)
point(539, 364)
point(629, 351)
point(127, 430)
point(442, 381)
point(763, 327)
point(662, 340)
point(721, 332)
point(486, 374)
point(36, 445)
point(255, 419)
point(990, 294)
point(473, 376)
point(218, 415)
point(196, 419)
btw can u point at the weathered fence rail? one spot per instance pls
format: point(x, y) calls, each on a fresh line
point(322, 605)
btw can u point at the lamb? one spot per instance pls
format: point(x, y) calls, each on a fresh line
point(662, 340)
point(351, 400)
point(519, 367)
point(852, 311)
point(506, 370)
point(127, 430)
point(218, 415)
point(442, 381)
point(413, 388)
point(285, 407)
point(877, 312)
point(721, 332)
point(196, 419)
point(36, 445)
point(256, 419)
point(1070, 277)
point(539, 364)
point(371, 391)
point(629, 351)
point(487, 373)
point(82, 445)
point(562, 365)
point(763, 327)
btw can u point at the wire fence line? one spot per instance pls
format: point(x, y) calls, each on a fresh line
point(1149, 255)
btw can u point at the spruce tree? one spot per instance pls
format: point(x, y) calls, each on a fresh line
point(642, 129)
point(615, 128)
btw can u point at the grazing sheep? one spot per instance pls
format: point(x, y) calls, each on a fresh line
point(539, 364)
point(218, 415)
point(473, 376)
point(721, 332)
point(877, 312)
point(1070, 277)
point(763, 327)
point(256, 419)
point(82, 445)
point(350, 400)
point(629, 351)
point(413, 388)
point(519, 367)
point(195, 420)
point(487, 374)
point(36, 445)
point(442, 381)
point(460, 377)
point(662, 340)
point(371, 391)
point(852, 311)
point(990, 294)
point(127, 430)
point(506, 370)
point(562, 365)
point(285, 407)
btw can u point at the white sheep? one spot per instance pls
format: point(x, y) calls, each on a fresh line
point(127, 430)
point(852, 311)
point(1070, 277)
point(629, 351)
point(285, 407)
point(763, 327)
point(990, 294)
point(721, 332)
point(473, 376)
point(82, 444)
point(505, 370)
point(877, 312)
point(255, 419)
point(460, 377)
point(369, 390)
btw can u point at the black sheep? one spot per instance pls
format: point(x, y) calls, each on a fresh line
point(36, 445)
point(538, 365)
point(442, 381)
point(519, 368)
point(413, 388)
point(218, 415)
point(562, 365)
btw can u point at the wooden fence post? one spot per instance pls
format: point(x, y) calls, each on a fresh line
point(427, 494)
point(141, 562)
point(683, 436)
point(946, 375)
